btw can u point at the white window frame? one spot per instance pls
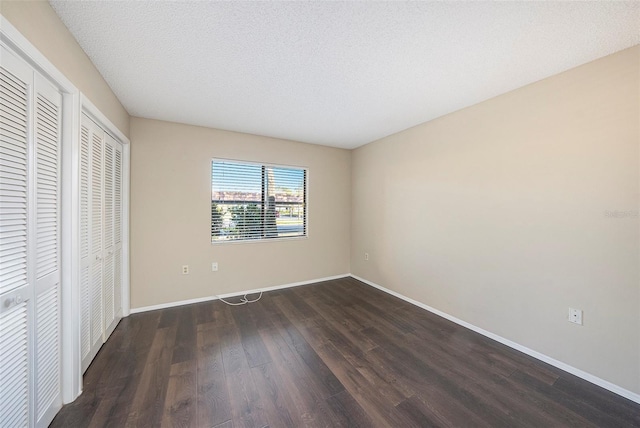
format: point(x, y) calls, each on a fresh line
point(263, 239)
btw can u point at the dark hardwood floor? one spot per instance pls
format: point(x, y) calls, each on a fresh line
point(338, 353)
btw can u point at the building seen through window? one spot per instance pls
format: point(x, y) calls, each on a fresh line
point(253, 201)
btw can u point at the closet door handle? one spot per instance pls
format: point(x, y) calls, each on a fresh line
point(12, 301)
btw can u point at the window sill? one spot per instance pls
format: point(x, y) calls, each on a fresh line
point(255, 241)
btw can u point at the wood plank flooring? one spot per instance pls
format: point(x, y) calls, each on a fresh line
point(337, 353)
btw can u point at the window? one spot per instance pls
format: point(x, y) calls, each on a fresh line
point(253, 201)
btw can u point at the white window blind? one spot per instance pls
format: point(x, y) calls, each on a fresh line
point(252, 201)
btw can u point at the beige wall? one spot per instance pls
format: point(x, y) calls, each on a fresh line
point(37, 21)
point(170, 214)
point(496, 214)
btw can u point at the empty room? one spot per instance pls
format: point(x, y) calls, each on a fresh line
point(319, 214)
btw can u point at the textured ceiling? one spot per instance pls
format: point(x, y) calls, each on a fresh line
point(335, 73)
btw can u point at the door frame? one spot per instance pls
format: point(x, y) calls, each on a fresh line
point(88, 108)
point(73, 103)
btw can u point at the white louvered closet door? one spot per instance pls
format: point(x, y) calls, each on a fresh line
point(112, 278)
point(47, 374)
point(108, 290)
point(16, 85)
point(97, 326)
point(100, 237)
point(91, 239)
point(85, 262)
point(30, 329)
point(117, 234)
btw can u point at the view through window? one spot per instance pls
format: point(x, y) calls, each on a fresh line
point(253, 201)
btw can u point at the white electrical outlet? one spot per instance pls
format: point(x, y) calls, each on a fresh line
point(575, 316)
point(185, 269)
point(214, 267)
point(366, 256)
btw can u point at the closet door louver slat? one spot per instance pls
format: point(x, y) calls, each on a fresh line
point(117, 199)
point(85, 315)
point(108, 195)
point(14, 370)
point(13, 186)
point(47, 137)
point(48, 353)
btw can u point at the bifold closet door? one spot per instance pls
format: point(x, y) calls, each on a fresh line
point(48, 338)
point(117, 235)
point(100, 237)
point(30, 327)
point(112, 272)
point(16, 306)
point(91, 298)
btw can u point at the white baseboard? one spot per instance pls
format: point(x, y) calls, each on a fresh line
point(535, 354)
point(239, 293)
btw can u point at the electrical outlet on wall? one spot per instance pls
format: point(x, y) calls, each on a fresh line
point(185, 269)
point(575, 316)
point(214, 267)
